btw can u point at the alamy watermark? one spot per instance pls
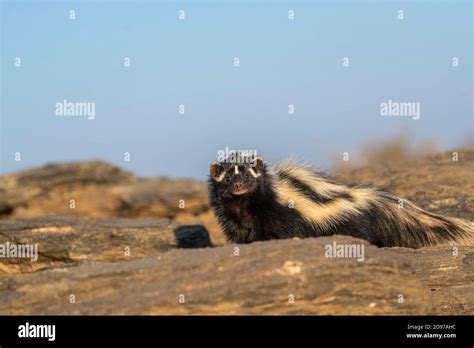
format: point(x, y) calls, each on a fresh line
point(403, 109)
point(237, 156)
point(354, 251)
point(28, 330)
point(68, 108)
point(21, 251)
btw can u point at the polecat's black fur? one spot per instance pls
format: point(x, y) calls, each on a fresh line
point(253, 202)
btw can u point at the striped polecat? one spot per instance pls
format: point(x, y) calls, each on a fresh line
point(253, 203)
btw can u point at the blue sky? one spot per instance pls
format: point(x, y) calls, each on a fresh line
point(190, 62)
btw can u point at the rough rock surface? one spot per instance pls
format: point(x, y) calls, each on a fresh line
point(66, 240)
point(49, 189)
point(262, 279)
point(448, 273)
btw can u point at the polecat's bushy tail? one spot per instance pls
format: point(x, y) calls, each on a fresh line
point(364, 211)
point(416, 227)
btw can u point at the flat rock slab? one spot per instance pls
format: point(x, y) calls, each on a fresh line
point(63, 240)
point(447, 273)
point(275, 277)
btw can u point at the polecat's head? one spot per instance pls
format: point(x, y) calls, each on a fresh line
point(238, 178)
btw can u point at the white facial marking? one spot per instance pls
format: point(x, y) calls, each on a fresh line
point(220, 177)
point(236, 169)
point(252, 172)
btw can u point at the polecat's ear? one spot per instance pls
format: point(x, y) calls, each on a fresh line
point(259, 165)
point(216, 171)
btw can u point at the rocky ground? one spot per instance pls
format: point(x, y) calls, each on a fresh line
point(117, 249)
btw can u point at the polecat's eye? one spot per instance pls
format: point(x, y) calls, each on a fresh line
point(246, 177)
point(228, 179)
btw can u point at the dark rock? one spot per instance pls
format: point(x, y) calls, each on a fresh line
point(192, 236)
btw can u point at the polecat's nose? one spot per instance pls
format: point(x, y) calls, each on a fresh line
point(238, 185)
